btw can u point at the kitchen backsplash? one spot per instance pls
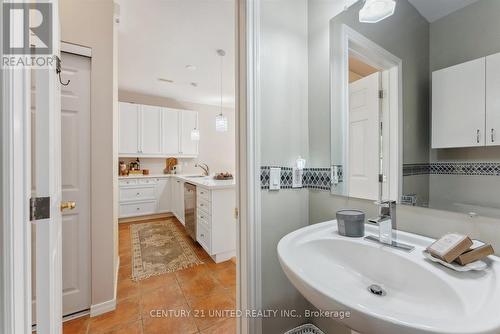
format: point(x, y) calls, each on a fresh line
point(156, 165)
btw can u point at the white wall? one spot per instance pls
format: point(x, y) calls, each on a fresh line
point(90, 23)
point(216, 149)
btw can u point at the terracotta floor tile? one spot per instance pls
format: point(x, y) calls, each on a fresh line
point(76, 326)
point(200, 285)
point(157, 281)
point(134, 328)
point(127, 312)
point(209, 306)
point(181, 323)
point(222, 265)
point(226, 277)
point(192, 272)
point(127, 288)
point(231, 291)
point(163, 298)
point(125, 271)
point(126, 258)
point(227, 326)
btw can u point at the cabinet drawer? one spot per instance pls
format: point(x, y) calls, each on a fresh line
point(203, 237)
point(137, 209)
point(204, 218)
point(125, 182)
point(148, 181)
point(203, 193)
point(203, 205)
point(137, 193)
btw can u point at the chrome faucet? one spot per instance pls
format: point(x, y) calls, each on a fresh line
point(206, 170)
point(387, 224)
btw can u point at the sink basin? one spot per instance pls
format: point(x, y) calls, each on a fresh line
point(334, 273)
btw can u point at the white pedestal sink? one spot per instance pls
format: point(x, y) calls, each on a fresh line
point(334, 273)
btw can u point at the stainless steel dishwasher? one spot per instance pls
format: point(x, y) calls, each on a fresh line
point(190, 209)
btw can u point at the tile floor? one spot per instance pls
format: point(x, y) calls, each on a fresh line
point(188, 295)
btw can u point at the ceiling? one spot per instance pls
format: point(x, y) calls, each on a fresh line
point(433, 10)
point(158, 38)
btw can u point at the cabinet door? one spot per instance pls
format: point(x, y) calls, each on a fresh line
point(128, 130)
point(458, 105)
point(170, 131)
point(150, 133)
point(189, 121)
point(163, 195)
point(493, 100)
point(181, 202)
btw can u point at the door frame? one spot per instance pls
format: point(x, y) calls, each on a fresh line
point(249, 292)
point(15, 276)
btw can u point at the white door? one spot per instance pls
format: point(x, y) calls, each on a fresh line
point(493, 100)
point(47, 170)
point(364, 138)
point(150, 130)
point(189, 121)
point(75, 134)
point(129, 128)
point(170, 132)
point(458, 105)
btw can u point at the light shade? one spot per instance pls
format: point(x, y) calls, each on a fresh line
point(375, 11)
point(221, 123)
point(195, 134)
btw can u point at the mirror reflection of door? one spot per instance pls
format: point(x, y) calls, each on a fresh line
point(364, 130)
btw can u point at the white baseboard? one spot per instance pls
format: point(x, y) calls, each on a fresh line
point(102, 308)
point(221, 257)
point(109, 305)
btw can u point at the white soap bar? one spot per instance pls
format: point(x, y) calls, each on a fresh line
point(446, 243)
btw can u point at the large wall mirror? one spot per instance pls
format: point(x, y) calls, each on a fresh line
point(415, 105)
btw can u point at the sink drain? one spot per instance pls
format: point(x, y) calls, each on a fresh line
point(377, 290)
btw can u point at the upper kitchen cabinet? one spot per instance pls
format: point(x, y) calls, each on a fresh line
point(150, 130)
point(189, 121)
point(129, 130)
point(171, 145)
point(492, 99)
point(458, 105)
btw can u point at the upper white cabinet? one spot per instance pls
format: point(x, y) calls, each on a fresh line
point(189, 121)
point(492, 99)
point(150, 131)
point(171, 121)
point(129, 130)
point(458, 105)
point(466, 104)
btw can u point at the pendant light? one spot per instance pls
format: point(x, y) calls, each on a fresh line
point(374, 11)
point(220, 119)
point(195, 134)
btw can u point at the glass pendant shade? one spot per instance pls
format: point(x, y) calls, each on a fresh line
point(221, 123)
point(195, 135)
point(375, 11)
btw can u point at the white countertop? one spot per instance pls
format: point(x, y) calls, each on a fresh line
point(207, 182)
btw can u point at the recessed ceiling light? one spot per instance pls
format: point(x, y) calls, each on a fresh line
point(165, 80)
point(194, 84)
point(190, 67)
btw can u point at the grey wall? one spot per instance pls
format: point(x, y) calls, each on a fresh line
point(283, 130)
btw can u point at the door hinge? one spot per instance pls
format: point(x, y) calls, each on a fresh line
point(236, 213)
point(382, 178)
point(381, 94)
point(39, 208)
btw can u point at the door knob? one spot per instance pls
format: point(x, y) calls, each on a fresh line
point(68, 205)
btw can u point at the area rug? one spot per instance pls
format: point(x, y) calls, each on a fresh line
point(159, 248)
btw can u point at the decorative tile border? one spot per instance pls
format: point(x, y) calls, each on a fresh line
point(453, 168)
point(312, 178)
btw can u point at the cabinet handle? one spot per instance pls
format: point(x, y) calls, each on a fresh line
point(202, 235)
point(138, 194)
point(477, 136)
point(137, 209)
point(492, 135)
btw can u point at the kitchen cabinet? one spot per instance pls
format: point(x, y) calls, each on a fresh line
point(189, 121)
point(171, 145)
point(150, 130)
point(466, 104)
point(144, 196)
point(458, 105)
point(164, 194)
point(178, 200)
point(492, 99)
point(129, 130)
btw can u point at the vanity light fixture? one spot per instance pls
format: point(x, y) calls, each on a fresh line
point(195, 134)
point(374, 11)
point(220, 119)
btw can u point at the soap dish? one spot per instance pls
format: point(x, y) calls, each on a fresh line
point(476, 265)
